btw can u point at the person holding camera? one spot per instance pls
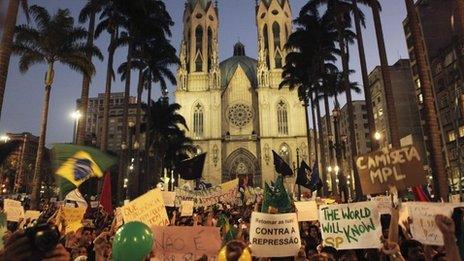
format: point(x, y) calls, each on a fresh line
point(19, 246)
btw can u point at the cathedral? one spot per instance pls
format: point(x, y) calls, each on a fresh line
point(234, 109)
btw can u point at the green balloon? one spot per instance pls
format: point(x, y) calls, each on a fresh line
point(133, 241)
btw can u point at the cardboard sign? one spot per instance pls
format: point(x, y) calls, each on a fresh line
point(148, 208)
point(383, 204)
point(185, 243)
point(274, 235)
point(224, 193)
point(73, 218)
point(32, 215)
point(350, 226)
point(186, 208)
point(400, 167)
point(13, 209)
point(307, 210)
point(423, 228)
point(169, 198)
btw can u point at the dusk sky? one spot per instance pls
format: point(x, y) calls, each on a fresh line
point(24, 92)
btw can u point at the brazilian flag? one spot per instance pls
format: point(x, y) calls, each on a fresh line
point(74, 164)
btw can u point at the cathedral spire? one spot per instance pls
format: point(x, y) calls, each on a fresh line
point(239, 49)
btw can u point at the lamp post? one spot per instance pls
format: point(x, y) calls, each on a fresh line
point(378, 138)
point(340, 180)
point(76, 116)
point(297, 169)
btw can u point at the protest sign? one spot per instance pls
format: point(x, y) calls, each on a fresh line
point(169, 198)
point(384, 204)
point(350, 226)
point(274, 235)
point(306, 210)
point(186, 208)
point(32, 215)
point(399, 167)
point(73, 218)
point(423, 228)
point(13, 209)
point(185, 243)
point(224, 193)
point(148, 208)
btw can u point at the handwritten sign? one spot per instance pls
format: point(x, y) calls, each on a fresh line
point(73, 218)
point(148, 208)
point(186, 208)
point(224, 193)
point(350, 226)
point(399, 167)
point(169, 198)
point(383, 204)
point(185, 243)
point(13, 209)
point(274, 235)
point(423, 228)
point(307, 210)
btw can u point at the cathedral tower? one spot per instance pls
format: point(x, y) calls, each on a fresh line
point(274, 24)
point(198, 89)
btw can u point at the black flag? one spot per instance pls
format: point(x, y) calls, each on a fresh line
point(191, 169)
point(303, 172)
point(281, 166)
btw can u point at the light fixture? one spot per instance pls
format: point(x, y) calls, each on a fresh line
point(377, 135)
point(76, 115)
point(336, 169)
point(329, 168)
point(5, 138)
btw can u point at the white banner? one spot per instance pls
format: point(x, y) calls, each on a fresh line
point(274, 235)
point(224, 193)
point(350, 226)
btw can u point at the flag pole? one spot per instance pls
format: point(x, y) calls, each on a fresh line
point(298, 167)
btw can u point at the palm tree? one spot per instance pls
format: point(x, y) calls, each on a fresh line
point(110, 20)
point(89, 12)
point(431, 119)
point(385, 69)
point(53, 39)
point(6, 42)
point(166, 124)
point(340, 13)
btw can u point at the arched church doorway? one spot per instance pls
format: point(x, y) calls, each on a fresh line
point(242, 164)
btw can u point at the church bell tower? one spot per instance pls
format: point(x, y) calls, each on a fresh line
point(199, 48)
point(198, 82)
point(274, 24)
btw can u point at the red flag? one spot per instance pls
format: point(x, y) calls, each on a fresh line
point(105, 197)
point(419, 194)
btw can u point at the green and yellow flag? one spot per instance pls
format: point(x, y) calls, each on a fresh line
point(75, 164)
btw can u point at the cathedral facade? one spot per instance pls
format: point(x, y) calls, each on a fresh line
point(234, 109)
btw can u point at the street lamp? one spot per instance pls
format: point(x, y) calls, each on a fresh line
point(5, 138)
point(377, 136)
point(76, 116)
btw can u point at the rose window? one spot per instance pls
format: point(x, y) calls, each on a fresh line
point(240, 115)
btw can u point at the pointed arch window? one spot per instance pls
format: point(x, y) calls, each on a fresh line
point(198, 38)
point(198, 119)
point(266, 44)
point(278, 60)
point(282, 118)
point(210, 47)
point(276, 35)
point(198, 63)
point(284, 153)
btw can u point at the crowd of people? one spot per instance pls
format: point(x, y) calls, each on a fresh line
point(93, 241)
